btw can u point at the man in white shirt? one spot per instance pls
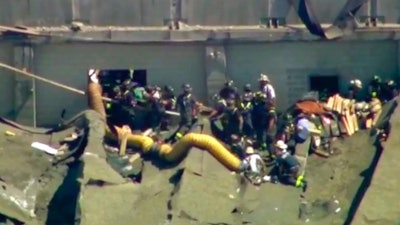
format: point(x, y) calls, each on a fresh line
point(267, 88)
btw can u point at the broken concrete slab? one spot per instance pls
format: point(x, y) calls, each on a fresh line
point(202, 172)
point(383, 190)
point(97, 169)
point(98, 207)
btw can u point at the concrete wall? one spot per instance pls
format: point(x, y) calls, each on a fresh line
point(289, 65)
point(154, 12)
point(6, 80)
point(69, 63)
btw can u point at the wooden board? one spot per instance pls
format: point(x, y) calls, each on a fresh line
point(331, 101)
point(376, 117)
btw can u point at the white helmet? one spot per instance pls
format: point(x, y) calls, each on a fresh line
point(249, 150)
point(281, 145)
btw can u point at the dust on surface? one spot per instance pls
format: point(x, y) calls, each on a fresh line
point(148, 203)
point(338, 177)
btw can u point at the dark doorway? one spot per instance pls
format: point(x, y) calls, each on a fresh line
point(140, 77)
point(329, 84)
point(110, 78)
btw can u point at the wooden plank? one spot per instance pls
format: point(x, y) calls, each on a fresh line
point(331, 101)
point(19, 30)
point(355, 122)
point(376, 117)
point(349, 122)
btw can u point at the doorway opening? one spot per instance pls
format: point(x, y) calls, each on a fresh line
point(323, 83)
point(110, 78)
point(140, 77)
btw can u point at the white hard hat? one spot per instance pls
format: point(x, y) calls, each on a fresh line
point(281, 145)
point(358, 83)
point(249, 150)
point(263, 77)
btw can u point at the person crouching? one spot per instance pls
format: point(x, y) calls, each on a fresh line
point(287, 167)
point(253, 166)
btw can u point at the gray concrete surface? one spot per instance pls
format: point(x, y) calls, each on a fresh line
point(380, 204)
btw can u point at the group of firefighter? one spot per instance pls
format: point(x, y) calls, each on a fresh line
point(243, 119)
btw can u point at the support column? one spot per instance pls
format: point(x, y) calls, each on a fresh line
point(216, 69)
point(24, 102)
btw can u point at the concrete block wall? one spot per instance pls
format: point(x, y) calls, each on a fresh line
point(289, 65)
point(155, 12)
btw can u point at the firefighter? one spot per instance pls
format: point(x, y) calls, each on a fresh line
point(188, 107)
point(228, 90)
point(375, 88)
point(246, 108)
point(155, 107)
point(271, 127)
point(231, 120)
point(259, 119)
point(239, 145)
point(168, 100)
point(215, 118)
point(114, 108)
point(354, 89)
point(266, 88)
point(389, 90)
point(323, 95)
point(253, 166)
point(128, 104)
point(287, 167)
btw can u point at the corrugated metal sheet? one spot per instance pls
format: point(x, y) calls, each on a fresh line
point(154, 12)
point(68, 64)
point(6, 80)
point(224, 12)
point(124, 12)
point(349, 59)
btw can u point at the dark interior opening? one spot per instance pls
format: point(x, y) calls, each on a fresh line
point(330, 84)
point(140, 77)
point(109, 78)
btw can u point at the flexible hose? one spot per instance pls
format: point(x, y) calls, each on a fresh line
point(144, 143)
point(95, 100)
point(202, 141)
point(166, 151)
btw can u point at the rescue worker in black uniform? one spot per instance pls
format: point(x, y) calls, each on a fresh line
point(258, 116)
point(239, 145)
point(232, 120)
point(113, 109)
point(227, 90)
point(215, 119)
point(264, 122)
point(188, 107)
point(389, 91)
point(375, 88)
point(287, 168)
point(271, 128)
point(128, 104)
point(246, 108)
point(168, 100)
point(353, 90)
point(156, 107)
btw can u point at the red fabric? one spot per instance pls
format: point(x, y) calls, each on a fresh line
point(311, 107)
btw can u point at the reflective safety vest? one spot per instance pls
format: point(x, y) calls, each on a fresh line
point(222, 102)
point(246, 106)
point(108, 105)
